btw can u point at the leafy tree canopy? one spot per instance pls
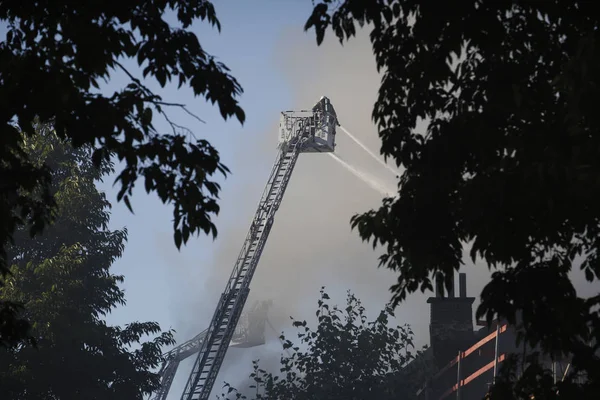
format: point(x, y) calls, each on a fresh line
point(63, 280)
point(510, 159)
point(52, 60)
point(345, 357)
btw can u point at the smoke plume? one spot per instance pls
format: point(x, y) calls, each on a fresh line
point(311, 244)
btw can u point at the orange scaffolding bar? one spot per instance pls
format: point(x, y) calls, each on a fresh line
point(474, 375)
point(465, 354)
point(469, 351)
point(484, 341)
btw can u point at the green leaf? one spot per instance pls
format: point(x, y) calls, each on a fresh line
point(147, 116)
point(177, 236)
point(65, 282)
point(127, 203)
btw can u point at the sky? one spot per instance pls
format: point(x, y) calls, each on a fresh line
point(311, 244)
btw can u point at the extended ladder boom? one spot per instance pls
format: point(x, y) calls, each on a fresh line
point(233, 299)
point(249, 334)
point(172, 360)
point(304, 131)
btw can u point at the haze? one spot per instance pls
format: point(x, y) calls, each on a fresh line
point(311, 244)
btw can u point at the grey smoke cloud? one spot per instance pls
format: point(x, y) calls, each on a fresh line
point(311, 244)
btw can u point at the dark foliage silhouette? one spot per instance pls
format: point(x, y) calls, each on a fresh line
point(53, 59)
point(509, 162)
point(345, 357)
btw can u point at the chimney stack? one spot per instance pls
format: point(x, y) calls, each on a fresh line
point(462, 284)
point(451, 291)
point(451, 326)
point(440, 287)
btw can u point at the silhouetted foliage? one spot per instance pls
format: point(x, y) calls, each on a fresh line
point(52, 61)
point(345, 357)
point(509, 162)
point(62, 278)
point(13, 328)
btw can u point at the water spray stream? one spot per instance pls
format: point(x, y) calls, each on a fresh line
point(365, 148)
point(362, 176)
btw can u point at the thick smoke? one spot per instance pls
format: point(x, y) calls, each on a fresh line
point(311, 244)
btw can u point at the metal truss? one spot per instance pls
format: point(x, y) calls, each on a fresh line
point(300, 131)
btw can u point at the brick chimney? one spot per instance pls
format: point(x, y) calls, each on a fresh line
point(451, 326)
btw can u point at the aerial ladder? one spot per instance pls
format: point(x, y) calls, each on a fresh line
point(305, 131)
point(249, 333)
